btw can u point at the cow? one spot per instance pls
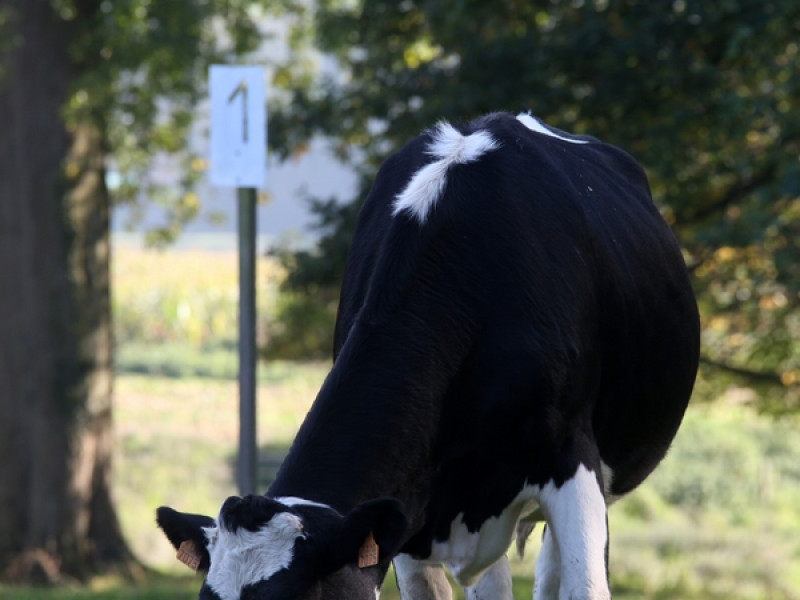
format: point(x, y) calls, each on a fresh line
point(516, 342)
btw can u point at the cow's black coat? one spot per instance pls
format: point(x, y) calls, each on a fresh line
point(540, 317)
point(543, 312)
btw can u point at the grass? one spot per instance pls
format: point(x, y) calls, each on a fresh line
point(717, 520)
point(154, 587)
point(187, 297)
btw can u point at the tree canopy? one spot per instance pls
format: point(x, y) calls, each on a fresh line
point(82, 83)
point(143, 69)
point(704, 95)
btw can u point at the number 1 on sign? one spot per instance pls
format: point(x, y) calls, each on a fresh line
point(241, 89)
point(238, 140)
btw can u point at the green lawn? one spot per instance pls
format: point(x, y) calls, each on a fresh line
point(153, 587)
point(719, 519)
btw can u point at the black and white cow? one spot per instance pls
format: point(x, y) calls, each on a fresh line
point(517, 342)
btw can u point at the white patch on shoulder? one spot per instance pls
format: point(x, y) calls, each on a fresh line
point(246, 557)
point(536, 125)
point(449, 146)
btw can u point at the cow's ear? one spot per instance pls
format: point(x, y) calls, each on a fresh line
point(380, 522)
point(186, 533)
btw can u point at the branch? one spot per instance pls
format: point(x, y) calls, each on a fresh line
point(735, 193)
point(769, 377)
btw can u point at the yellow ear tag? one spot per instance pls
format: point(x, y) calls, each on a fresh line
point(189, 555)
point(368, 554)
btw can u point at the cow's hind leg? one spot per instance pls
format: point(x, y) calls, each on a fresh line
point(576, 518)
point(494, 584)
point(548, 569)
point(419, 581)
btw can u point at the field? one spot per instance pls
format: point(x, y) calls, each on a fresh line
point(719, 519)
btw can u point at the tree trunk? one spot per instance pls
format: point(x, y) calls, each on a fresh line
point(55, 336)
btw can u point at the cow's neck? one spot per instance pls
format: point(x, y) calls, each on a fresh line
point(371, 430)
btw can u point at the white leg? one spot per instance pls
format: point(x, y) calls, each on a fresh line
point(494, 584)
point(576, 518)
point(418, 581)
point(548, 569)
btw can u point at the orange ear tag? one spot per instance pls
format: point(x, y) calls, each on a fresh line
point(189, 555)
point(368, 554)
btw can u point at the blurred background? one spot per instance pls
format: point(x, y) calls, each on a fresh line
point(118, 282)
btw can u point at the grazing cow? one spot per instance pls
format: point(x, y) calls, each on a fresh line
point(517, 341)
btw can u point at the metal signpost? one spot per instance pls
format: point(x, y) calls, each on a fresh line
point(238, 159)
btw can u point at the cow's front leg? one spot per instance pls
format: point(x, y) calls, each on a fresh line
point(420, 581)
point(494, 584)
point(576, 518)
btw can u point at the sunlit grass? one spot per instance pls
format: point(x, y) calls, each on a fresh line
point(187, 296)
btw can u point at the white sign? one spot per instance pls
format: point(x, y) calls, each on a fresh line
point(238, 126)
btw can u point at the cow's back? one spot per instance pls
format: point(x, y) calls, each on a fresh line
point(564, 292)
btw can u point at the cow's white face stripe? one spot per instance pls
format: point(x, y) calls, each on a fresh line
point(534, 124)
point(449, 147)
point(246, 557)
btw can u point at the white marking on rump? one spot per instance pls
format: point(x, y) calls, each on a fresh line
point(534, 124)
point(247, 557)
point(449, 147)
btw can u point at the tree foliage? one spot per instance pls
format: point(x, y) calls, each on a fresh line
point(80, 81)
point(141, 68)
point(705, 95)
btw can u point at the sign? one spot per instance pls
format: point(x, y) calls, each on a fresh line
point(238, 153)
point(238, 159)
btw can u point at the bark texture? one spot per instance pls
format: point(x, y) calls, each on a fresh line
point(57, 518)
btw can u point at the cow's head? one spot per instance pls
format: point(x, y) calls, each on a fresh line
point(262, 548)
